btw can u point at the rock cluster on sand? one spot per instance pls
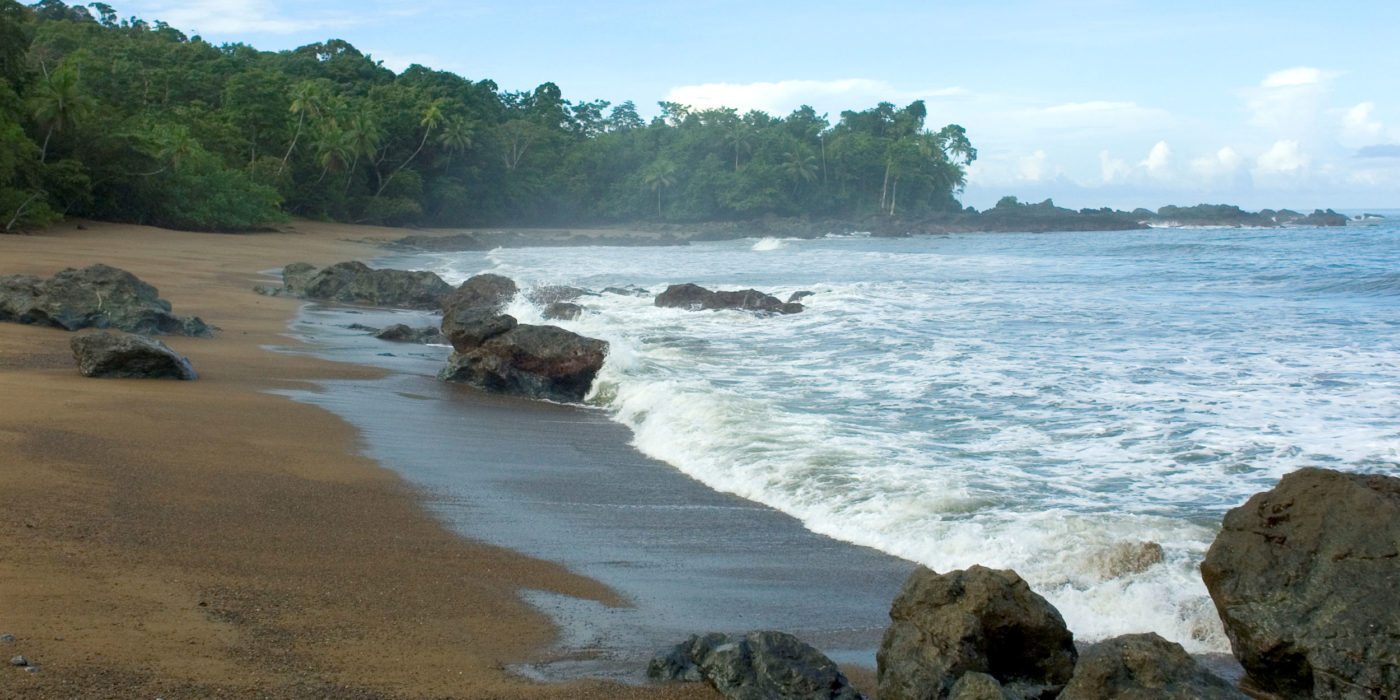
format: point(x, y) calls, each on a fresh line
point(403, 333)
point(119, 355)
point(98, 296)
point(695, 298)
point(357, 283)
point(755, 666)
point(494, 352)
point(1306, 577)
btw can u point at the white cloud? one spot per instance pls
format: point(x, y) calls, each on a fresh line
point(1034, 166)
point(1360, 127)
point(1293, 77)
point(1224, 163)
point(786, 95)
point(240, 16)
point(1283, 158)
point(1287, 104)
point(1159, 160)
point(1112, 169)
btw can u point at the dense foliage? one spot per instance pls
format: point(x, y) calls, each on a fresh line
point(134, 121)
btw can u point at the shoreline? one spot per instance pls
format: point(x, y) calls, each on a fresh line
point(211, 537)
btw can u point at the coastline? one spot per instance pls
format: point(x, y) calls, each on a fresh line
point(213, 538)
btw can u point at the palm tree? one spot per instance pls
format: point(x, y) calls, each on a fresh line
point(334, 149)
point(307, 99)
point(432, 119)
point(658, 176)
point(364, 136)
point(58, 104)
point(800, 166)
point(457, 135)
point(177, 145)
point(740, 136)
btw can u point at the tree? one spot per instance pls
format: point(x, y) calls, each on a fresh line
point(58, 104)
point(658, 176)
point(431, 119)
point(799, 166)
point(308, 99)
point(457, 135)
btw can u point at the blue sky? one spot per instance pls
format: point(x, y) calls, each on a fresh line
point(1093, 102)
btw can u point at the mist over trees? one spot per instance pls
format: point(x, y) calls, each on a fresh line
point(128, 120)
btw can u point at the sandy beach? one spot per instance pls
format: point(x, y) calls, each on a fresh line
point(163, 539)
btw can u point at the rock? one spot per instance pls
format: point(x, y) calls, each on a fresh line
point(1143, 666)
point(544, 296)
point(296, 275)
point(269, 291)
point(98, 296)
point(538, 362)
point(486, 291)
point(468, 327)
point(1126, 558)
point(356, 283)
point(627, 291)
point(983, 620)
point(119, 355)
point(19, 661)
point(799, 296)
point(977, 686)
point(1305, 577)
point(451, 243)
point(362, 327)
point(401, 333)
point(7, 639)
point(695, 297)
point(755, 666)
point(562, 311)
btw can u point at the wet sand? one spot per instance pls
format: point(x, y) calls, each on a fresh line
point(173, 539)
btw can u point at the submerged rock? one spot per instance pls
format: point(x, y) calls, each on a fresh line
point(755, 666)
point(799, 296)
point(98, 296)
point(1143, 666)
point(538, 362)
point(978, 620)
point(1305, 577)
point(357, 283)
point(695, 297)
point(1125, 558)
point(124, 356)
point(544, 296)
point(402, 333)
point(562, 311)
point(486, 291)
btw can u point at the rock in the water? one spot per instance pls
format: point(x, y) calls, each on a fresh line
point(627, 291)
point(402, 333)
point(1126, 558)
point(120, 355)
point(799, 296)
point(1305, 577)
point(695, 297)
point(468, 327)
point(98, 296)
point(755, 666)
point(977, 686)
point(538, 362)
point(486, 291)
point(356, 283)
point(545, 296)
point(983, 620)
point(1143, 666)
point(296, 275)
point(562, 311)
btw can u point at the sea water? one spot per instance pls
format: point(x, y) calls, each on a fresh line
point(1023, 401)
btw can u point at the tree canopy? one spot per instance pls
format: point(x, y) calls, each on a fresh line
point(129, 120)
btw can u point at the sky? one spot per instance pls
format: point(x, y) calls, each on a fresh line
point(1121, 103)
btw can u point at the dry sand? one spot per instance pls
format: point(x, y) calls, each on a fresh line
point(208, 539)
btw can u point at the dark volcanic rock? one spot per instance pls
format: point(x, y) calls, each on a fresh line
point(983, 620)
point(538, 362)
point(119, 355)
point(468, 327)
point(756, 666)
point(628, 291)
point(562, 311)
point(1305, 577)
point(93, 297)
point(1143, 666)
point(695, 297)
point(296, 275)
point(486, 291)
point(799, 296)
point(356, 283)
point(401, 333)
point(544, 296)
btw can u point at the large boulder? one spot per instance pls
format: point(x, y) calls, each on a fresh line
point(1306, 578)
point(98, 296)
point(119, 355)
point(755, 666)
point(356, 283)
point(562, 311)
point(1143, 667)
point(468, 327)
point(538, 362)
point(695, 298)
point(486, 291)
point(296, 275)
point(403, 333)
point(982, 620)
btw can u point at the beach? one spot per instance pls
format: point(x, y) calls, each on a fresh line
point(172, 539)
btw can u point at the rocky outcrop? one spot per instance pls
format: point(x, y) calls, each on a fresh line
point(467, 328)
point(357, 283)
point(544, 296)
point(120, 355)
point(1143, 666)
point(695, 297)
point(538, 362)
point(296, 275)
point(755, 666)
point(981, 620)
point(799, 296)
point(98, 296)
point(486, 291)
point(1305, 577)
point(402, 333)
point(562, 311)
point(628, 291)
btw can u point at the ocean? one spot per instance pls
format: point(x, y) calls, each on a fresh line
point(1026, 401)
